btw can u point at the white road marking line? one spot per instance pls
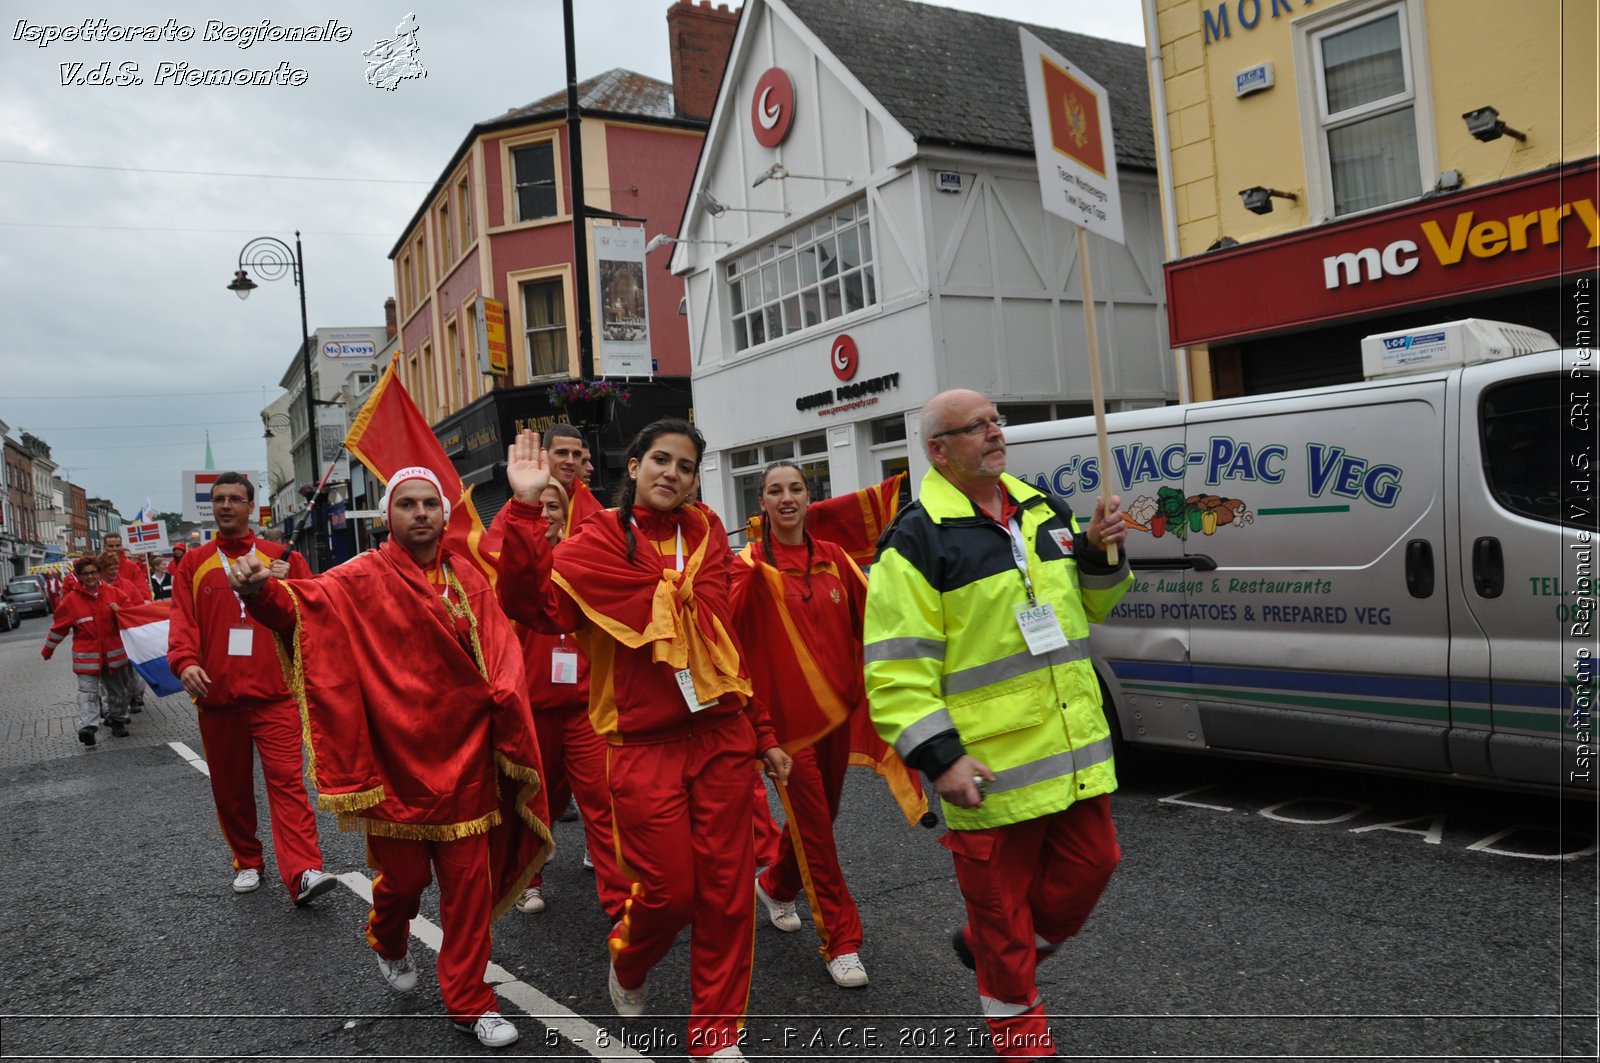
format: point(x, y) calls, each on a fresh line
point(564, 1021)
point(195, 760)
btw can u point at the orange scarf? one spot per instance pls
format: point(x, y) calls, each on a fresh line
point(639, 602)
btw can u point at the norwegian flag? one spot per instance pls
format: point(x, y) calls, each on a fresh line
point(143, 533)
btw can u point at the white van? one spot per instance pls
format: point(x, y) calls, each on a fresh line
point(1395, 575)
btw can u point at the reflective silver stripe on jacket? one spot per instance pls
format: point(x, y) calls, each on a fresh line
point(1056, 766)
point(999, 1009)
point(1106, 582)
point(907, 649)
point(1010, 667)
point(936, 722)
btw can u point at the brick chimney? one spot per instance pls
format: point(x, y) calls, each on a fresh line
point(391, 318)
point(700, 38)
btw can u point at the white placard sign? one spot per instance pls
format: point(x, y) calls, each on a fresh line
point(1072, 141)
point(145, 537)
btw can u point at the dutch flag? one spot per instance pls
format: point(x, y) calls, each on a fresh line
point(202, 487)
point(144, 636)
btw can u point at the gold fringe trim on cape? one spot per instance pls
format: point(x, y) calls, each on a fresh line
point(546, 850)
point(294, 676)
point(354, 801)
point(420, 832)
point(531, 784)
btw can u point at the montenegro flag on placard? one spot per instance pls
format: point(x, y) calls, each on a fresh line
point(390, 434)
point(1074, 118)
point(854, 521)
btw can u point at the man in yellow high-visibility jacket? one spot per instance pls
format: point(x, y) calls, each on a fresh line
point(978, 673)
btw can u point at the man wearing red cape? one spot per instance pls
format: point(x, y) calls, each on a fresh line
point(421, 737)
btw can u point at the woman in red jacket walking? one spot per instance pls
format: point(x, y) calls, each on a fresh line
point(798, 605)
point(87, 609)
point(645, 589)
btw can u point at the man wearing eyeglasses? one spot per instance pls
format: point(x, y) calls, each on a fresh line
point(978, 673)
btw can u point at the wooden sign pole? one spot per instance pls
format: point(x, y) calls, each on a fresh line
point(1094, 378)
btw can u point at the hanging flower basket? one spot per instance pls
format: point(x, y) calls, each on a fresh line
point(589, 401)
point(566, 392)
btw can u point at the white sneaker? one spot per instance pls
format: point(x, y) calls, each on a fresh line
point(532, 900)
point(493, 1031)
point(314, 882)
point(588, 863)
point(247, 881)
point(629, 1003)
point(731, 1052)
point(782, 913)
point(401, 974)
point(847, 971)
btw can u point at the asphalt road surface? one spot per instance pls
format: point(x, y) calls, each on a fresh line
point(1260, 912)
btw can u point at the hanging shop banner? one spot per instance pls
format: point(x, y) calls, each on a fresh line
point(1071, 117)
point(624, 332)
point(492, 337)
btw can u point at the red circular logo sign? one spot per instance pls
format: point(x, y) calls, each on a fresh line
point(772, 110)
point(843, 357)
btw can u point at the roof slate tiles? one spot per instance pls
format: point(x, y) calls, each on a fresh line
point(617, 91)
point(955, 77)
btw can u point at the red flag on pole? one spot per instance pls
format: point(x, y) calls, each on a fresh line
point(390, 434)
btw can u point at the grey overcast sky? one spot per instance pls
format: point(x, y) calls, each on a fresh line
point(123, 209)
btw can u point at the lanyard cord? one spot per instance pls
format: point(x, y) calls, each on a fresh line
point(1020, 556)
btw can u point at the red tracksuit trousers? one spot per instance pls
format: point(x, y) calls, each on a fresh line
point(273, 730)
point(465, 905)
point(574, 759)
point(682, 818)
point(807, 855)
point(1029, 886)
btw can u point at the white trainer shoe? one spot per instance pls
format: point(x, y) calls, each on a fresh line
point(782, 913)
point(588, 861)
point(492, 1029)
point(532, 900)
point(629, 1003)
point(314, 882)
point(401, 974)
point(847, 971)
point(247, 881)
point(731, 1052)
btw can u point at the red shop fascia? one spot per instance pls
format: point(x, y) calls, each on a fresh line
point(1503, 250)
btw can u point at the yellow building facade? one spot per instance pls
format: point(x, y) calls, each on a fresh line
point(1441, 154)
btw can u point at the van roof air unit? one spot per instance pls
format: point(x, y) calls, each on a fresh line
point(1454, 343)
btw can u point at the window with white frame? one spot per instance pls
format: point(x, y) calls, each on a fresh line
point(810, 452)
point(811, 274)
point(534, 175)
point(544, 325)
point(1367, 99)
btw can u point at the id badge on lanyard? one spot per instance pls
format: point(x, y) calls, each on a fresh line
point(563, 664)
point(684, 676)
point(241, 637)
point(1036, 620)
point(685, 680)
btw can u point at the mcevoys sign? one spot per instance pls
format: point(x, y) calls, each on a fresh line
point(1525, 230)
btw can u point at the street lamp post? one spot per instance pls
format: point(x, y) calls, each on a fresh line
point(272, 259)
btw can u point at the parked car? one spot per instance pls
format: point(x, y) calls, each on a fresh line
point(26, 594)
point(8, 616)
